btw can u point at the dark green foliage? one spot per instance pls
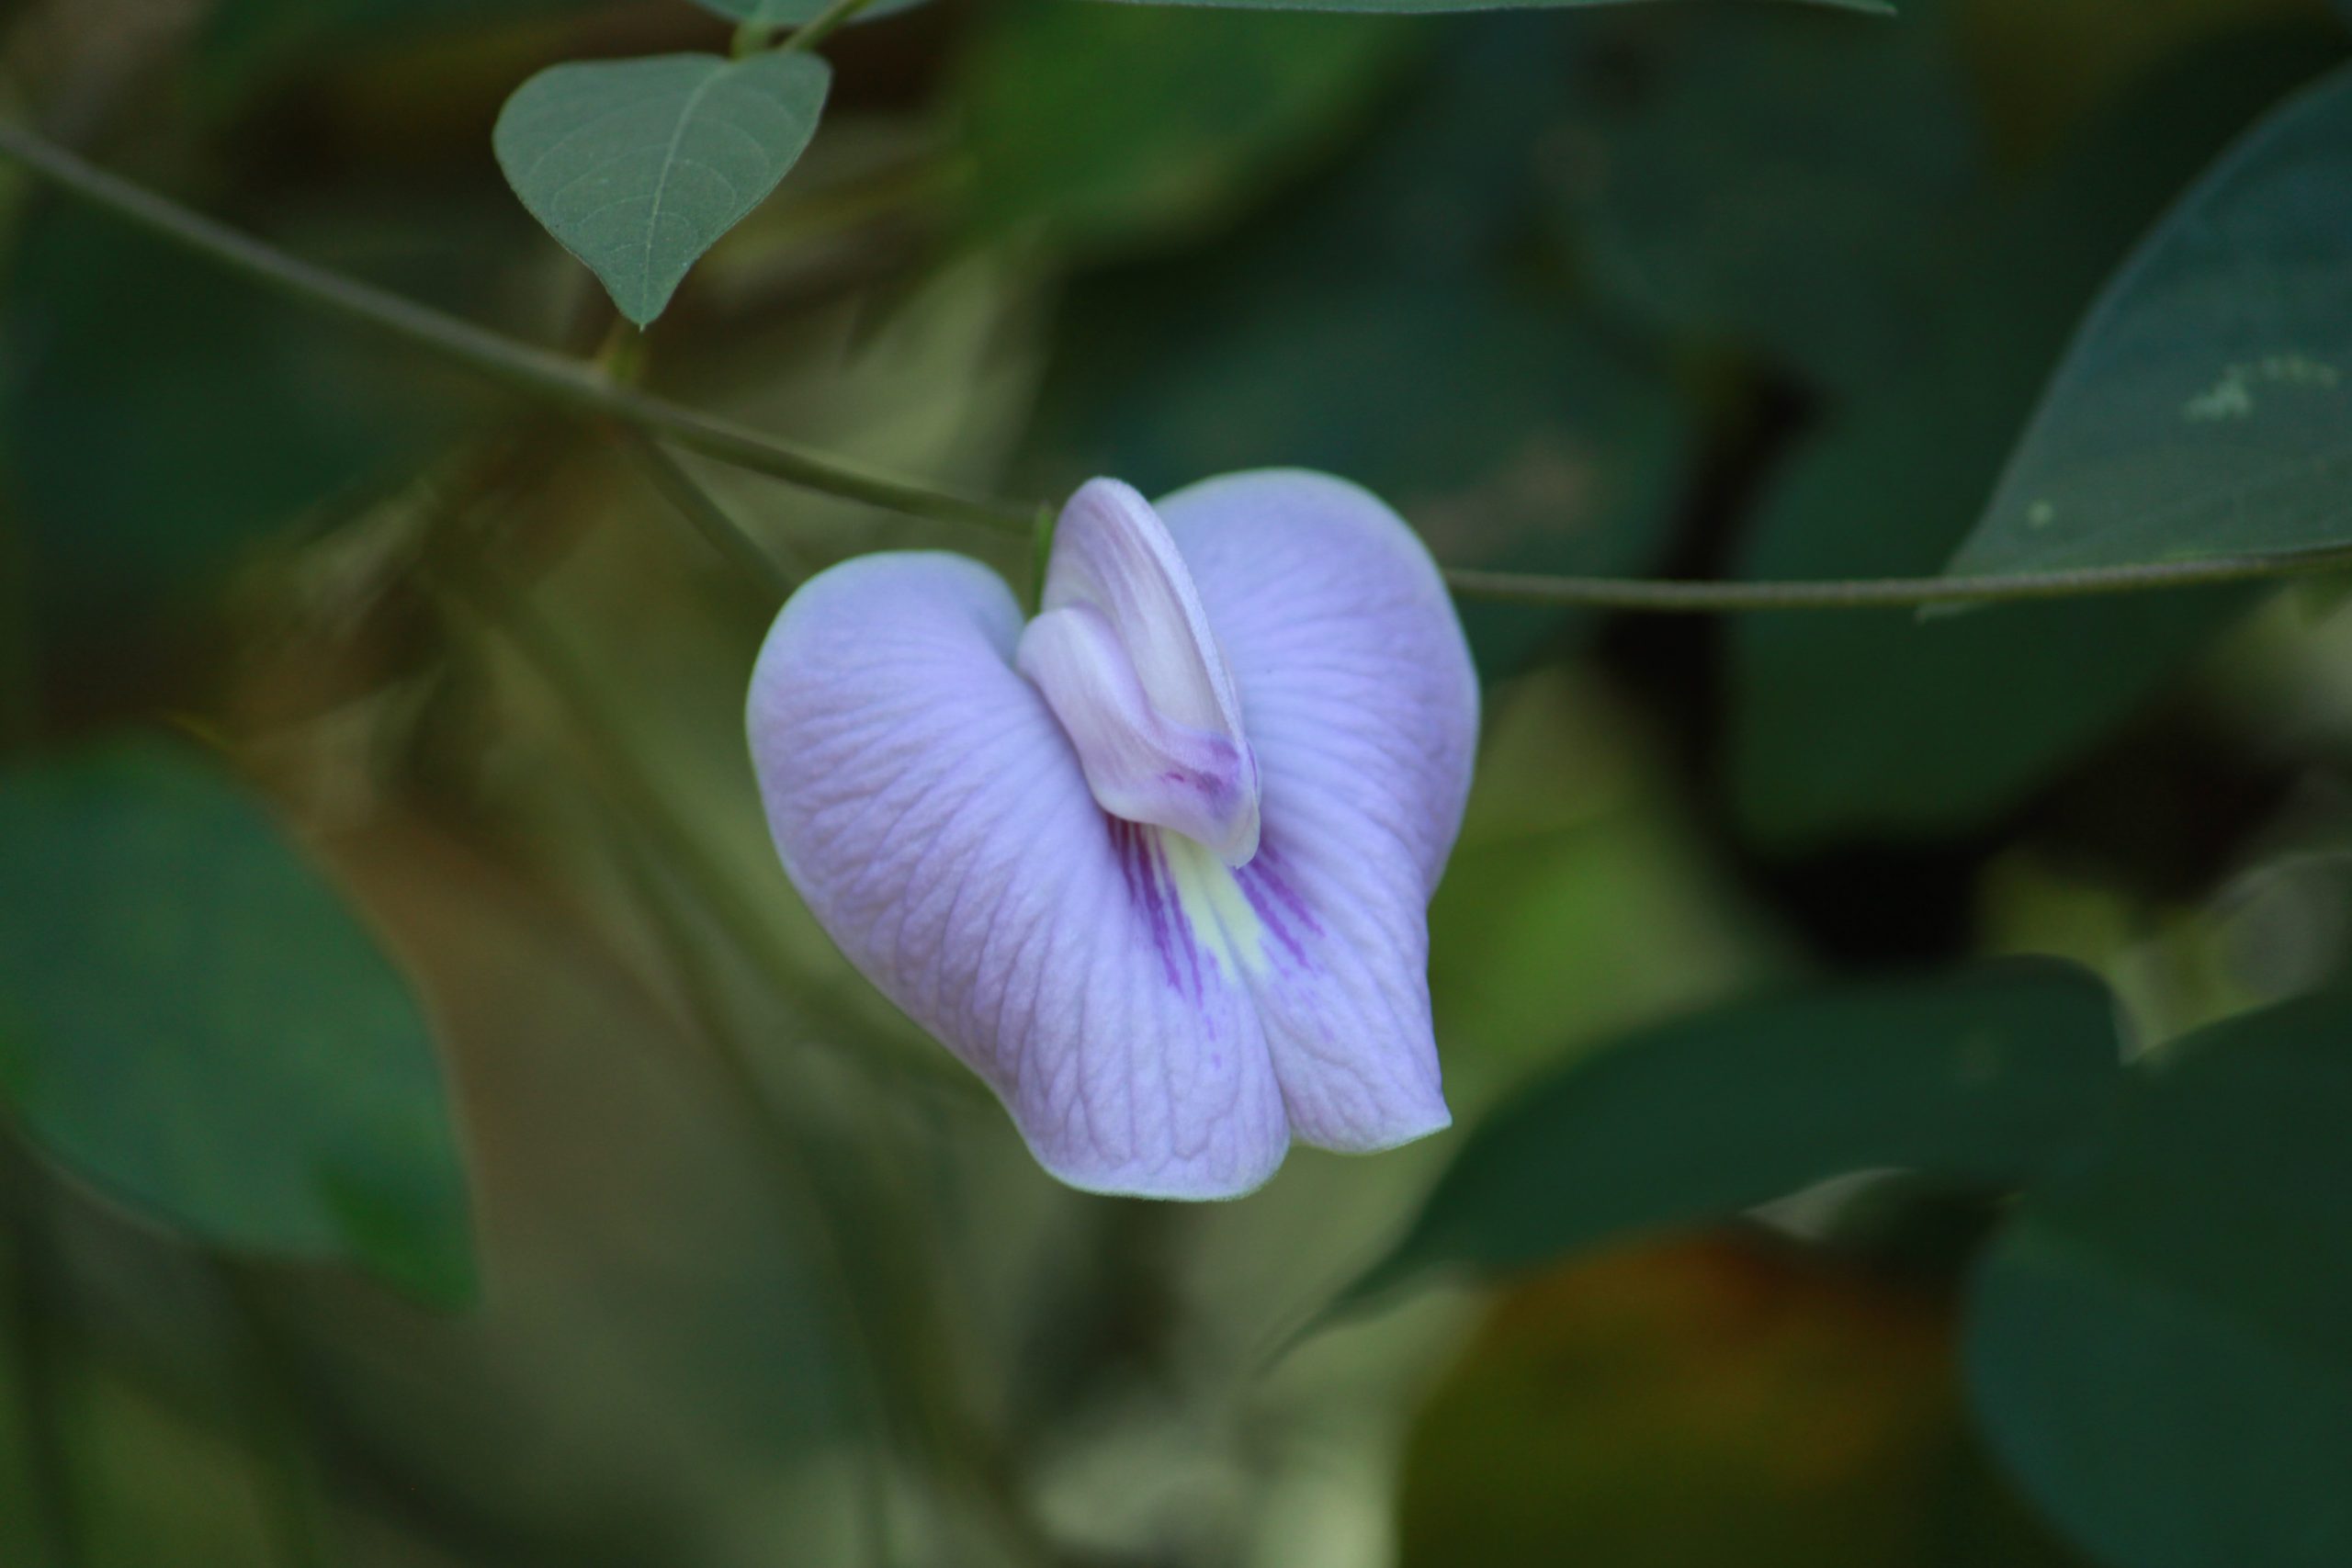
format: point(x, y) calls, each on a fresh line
point(162, 418)
point(1397, 321)
point(1793, 184)
point(190, 1019)
point(2161, 1343)
point(1991, 1077)
point(1759, 291)
point(1885, 723)
point(2205, 407)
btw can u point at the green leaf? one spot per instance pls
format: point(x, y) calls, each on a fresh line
point(1789, 182)
point(797, 12)
point(162, 418)
point(191, 1019)
point(1580, 901)
point(1382, 322)
point(1532, 443)
point(1881, 724)
point(1988, 1075)
point(2205, 407)
point(637, 166)
point(1105, 128)
point(245, 43)
point(2160, 1345)
point(1400, 7)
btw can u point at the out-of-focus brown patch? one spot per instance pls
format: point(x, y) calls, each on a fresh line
point(1703, 1403)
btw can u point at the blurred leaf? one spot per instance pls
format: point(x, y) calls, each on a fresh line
point(156, 1484)
point(667, 1296)
point(2044, 68)
point(1988, 1075)
point(1703, 1404)
point(1105, 126)
point(2206, 406)
point(1581, 900)
point(1393, 7)
point(190, 1018)
point(1788, 180)
point(27, 1520)
point(243, 41)
point(2161, 1343)
point(1510, 433)
point(1883, 723)
point(638, 166)
point(1887, 724)
point(794, 13)
point(1385, 324)
point(145, 1479)
point(162, 416)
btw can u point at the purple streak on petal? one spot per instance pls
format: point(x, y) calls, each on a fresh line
point(1271, 877)
point(1168, 913)
point(1277, 905)
point(1141, 765)
point(1362, 706)
point(927, 806)
point(1138, 848)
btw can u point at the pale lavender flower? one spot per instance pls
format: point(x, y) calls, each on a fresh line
point(1157, 865)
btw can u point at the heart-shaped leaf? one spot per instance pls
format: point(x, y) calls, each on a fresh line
point(638, 166)
point(191, 1019)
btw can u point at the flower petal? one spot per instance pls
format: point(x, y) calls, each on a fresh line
point(1113, 554)
point(1141, 765)
point(1362, 705)
point(932, 812)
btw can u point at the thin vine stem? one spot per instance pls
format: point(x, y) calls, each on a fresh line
point(709, 517)
point(753, 37)
point(1661, 597)
point(820, 27)
point(579, 386)
point(557, 378)
point(757, 35)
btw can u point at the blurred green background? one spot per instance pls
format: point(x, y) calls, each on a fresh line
point(754, 1275)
